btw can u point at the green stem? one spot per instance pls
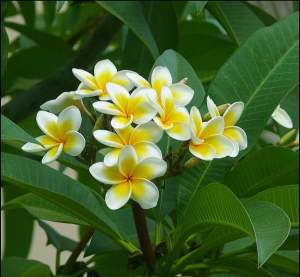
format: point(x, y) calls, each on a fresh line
point(57, 260)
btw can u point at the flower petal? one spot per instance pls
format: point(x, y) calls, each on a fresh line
point(74, 144)
point(222, 145)
point(111, 158)
point(146, 132)
point(195, 121)
point(121, 79)
point(52, 154)
point(85, 77)
point(127, 161)
point(125, 134)
point(233, 113)
point(150, 168)
point(104, 71)
point(108, 138)
point(167, 100)
point(145, 193)
point(118, 95)
point(160, 77)
point(214, 126)
point(182, 94)
point(106, 174)
point(212, 107)
point(47, 122)
point(238, 135)
point(83, 93)
point(118, 195)
point(282, 117)
point(179, 131)
point(106, 108)
point(32, 147)
point(47, 142)
point(147, 150)
point(69, 120)
point(164, 126)
point(138, 80)
point(180, 115)
point(202, 151)
point(120, 122)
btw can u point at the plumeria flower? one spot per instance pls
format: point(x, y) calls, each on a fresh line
point(161, 77)
point(282, 117)
point(171, 118)
point(231, 116)
point(61, 102)
point(95, 85)
point(130, 178)
point(61, 134)
point(208, 141)
point(126, 108)
point(142, 138)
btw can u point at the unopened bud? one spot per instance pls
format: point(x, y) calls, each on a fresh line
point(100, 122)
point(183, 81)
point(288, 137)
point(191, 162)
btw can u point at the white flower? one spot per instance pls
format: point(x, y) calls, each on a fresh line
point(126, 108)
point(95, 85)
point(282, 117)
point(231, 116)
point(130, 178)
point(61, 134)
point(161, 77)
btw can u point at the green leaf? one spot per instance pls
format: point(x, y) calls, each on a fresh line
point(49, 9)
point(263, 15)
point(180, 69)
point(260, 75)
point(59, 5)
point(60, 190)
point(237, 19)
point(262, 169)
point(131, 14)
point(193, 8)
point(291, 104)
point(42, 209)
point(286, 197)
point(248, 218)
point(4, 52)
point(10, 132)
point(16, 243)
point(27, 9)
point(19, 267)
point(60, 242)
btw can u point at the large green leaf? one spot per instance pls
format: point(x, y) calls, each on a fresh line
point(60, 190)
point(287, 198)
point(132, 15)
point(265, 168)
point(10, 132)
point(215, 204)
point(42, 209)
point(180, 69)
point(237, 18)
point(19, 267)
point(260, 73)
point(27, 9)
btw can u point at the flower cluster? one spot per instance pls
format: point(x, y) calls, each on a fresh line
point(139, 112)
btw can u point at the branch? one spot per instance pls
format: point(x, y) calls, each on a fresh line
point(62, 80)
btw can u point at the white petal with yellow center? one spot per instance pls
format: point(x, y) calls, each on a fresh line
point(84, 91)
point(146, 132)
point(237, 135)
point(202, 151)
point(52, 154)
point(125, 134)
point(180, 115)
point(121, 79)
point(147, 150)
point(69, 120)
point(104, 71)
point(32, 147)
point(222, 145)
point(182, 94)
point(86, 78)
point(106, 108)
point(47, 142)
point(145, 193)
point(233, 113)
point(74, 143)
point(118, 95)
point(195, 122)
point(138, 80)
point(160, 77)
point(179, 131)
point(118, 195)
point(282, 117)
point(106, 174)
point(214, 126)
point(108, 138)
point(47, 122)
point(111, 158)
point(120, 122)
point(150, 168)
point(163, 125)
point(127, 161)
point(212, 107)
